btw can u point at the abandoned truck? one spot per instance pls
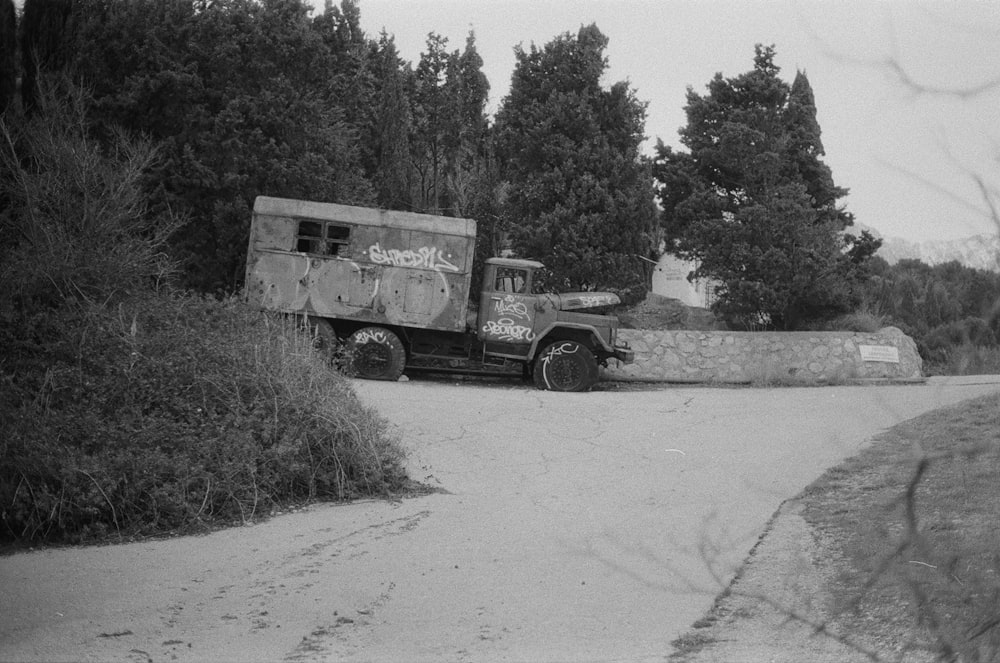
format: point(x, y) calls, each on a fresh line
point(394, 287)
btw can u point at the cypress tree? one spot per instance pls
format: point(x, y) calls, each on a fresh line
point(392, 129)
point(580, 196)
point(805, 148)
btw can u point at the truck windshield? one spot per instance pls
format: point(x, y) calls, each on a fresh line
point(510, 279)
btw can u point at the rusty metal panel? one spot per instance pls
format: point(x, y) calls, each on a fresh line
point(290, 282)
point(364, 285)
point(273, 232)
point(423, 298)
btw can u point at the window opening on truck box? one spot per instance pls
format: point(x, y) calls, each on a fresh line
point(324, 238)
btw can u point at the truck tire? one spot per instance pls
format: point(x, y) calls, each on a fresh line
point(565, 366)
point(376, 354)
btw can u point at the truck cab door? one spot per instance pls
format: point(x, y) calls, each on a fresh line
point(507, 312)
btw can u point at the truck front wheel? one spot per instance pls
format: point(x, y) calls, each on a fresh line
point(565, 366)
point(376, 354)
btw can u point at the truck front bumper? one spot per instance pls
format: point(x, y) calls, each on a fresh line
point(624, 354)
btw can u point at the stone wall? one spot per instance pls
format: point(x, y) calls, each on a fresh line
point(766, 357)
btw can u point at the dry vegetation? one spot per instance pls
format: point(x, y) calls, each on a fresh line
point(891, 556)
point(915, 518)
point(128, 408)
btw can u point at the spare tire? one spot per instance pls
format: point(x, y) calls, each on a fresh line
point(565, 366)
point(376, 353)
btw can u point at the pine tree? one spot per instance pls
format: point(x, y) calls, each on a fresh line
point(755, 206)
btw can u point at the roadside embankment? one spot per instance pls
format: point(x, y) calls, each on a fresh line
point(767, 357)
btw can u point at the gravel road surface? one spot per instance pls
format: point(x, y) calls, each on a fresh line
point(575, 527)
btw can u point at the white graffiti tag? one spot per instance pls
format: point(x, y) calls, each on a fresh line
point(508, 305)
point(556, 350)
point(587, 301)
point(427, 257)
point(505, 329)
point(364, 336)
point(590, 301)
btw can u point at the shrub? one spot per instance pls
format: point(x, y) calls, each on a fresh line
point(858, 321)
point(974, 331)
point(170, 412)
point(965, 359)
point(126, 409)
point(75, 221)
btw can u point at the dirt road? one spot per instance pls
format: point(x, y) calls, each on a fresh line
point(576, 527)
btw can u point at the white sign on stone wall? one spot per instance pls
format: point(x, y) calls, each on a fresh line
point(886, 353)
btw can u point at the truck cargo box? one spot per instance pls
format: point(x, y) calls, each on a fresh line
point(359, 263)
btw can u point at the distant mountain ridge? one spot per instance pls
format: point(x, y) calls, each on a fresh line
point(978, 251)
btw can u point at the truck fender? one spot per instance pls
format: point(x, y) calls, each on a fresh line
point(542, 338)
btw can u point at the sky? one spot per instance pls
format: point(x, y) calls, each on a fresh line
point(909, 158)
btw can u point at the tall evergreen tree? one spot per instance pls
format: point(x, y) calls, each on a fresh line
point(468, 170)
point(580, 195)
point(391, 138)
point(472, 89)
point(434, 122)
point(805, 149)
point(8, 54)
point(447, 141)
point(353, 76)
point(755, 206)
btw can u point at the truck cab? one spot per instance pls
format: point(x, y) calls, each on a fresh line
point(394, 288)
point(561, 344)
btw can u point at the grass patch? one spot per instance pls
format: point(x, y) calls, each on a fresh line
point(914, 520)
point(690, 644)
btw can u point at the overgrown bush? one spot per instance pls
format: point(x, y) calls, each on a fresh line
point(863, 321)
point(125, 408)
point(972, 330)
point(75, 220)
point(964, 359)
point(170, 411)
point(952, 312)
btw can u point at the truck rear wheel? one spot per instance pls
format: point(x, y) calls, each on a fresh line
point(565, 366)
point(376, 354)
